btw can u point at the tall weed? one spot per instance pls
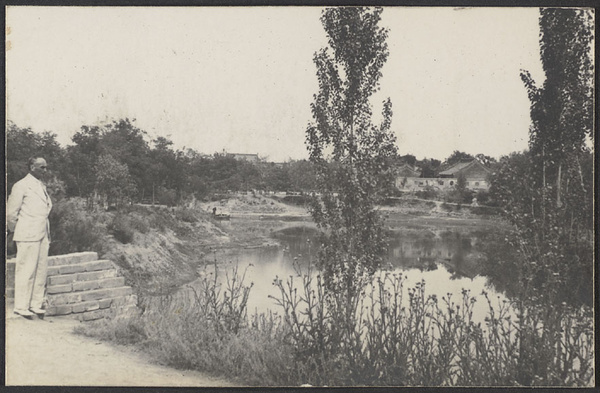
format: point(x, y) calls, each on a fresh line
point(387, 335)
point(398, 336)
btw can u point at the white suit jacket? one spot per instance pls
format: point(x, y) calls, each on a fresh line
point(27, 210)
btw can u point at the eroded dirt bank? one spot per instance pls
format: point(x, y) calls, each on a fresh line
point(176, 243)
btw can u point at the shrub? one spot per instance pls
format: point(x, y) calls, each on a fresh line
point(483, 197)
point(121, 229)
point(297, 200)
point(123, 331)
point(447, 207)
point(73, 229)
point(186, 215)
point(140, 224)
point(428, 193)
point(166, 196)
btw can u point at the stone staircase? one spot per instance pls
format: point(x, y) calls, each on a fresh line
point(82, 286)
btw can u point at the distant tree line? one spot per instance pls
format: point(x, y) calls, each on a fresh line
point(118, 163)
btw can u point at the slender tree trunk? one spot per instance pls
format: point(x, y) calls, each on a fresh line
point(558, 201)
point(79, 183)
point(543, 204)
point(580, 173)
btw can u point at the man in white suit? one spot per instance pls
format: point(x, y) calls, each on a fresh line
point(27, 213)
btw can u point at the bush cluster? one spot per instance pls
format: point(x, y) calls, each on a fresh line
point(122, 229)
point(428, 193)
point(186, 215)
point(74, 230)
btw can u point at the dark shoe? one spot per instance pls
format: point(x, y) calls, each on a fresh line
point(39, 312)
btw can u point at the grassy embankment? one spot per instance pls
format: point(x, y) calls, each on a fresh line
point(160, 248)
point(313, 339)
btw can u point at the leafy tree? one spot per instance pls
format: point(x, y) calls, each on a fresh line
point(429, 167)
point(461, 186)
point(485, 160)
point(127, 144)
point(349, 153)
point(562, 108)
point(408, 159)
point(119, 139)
point(23, 143)
point(547, 193)
point(20, 145)
point(222, 170)
point(249, 176)
point(277, 178)
point(302, 175)
point(83, 155)
point(164, 170)
point(113, 180)
point(456, 157)
point(555, 221)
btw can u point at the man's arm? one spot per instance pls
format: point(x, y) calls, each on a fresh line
point(13, 206)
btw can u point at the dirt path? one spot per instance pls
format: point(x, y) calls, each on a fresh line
point(46, 352)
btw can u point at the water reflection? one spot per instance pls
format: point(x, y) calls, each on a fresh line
point(447, 261)
point(427, 250)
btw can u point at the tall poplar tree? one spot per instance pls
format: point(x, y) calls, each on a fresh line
point(352, 156)
point(550, 198)
point(562, 107)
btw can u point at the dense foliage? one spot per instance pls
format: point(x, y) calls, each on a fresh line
point(116, 163)
point(547, 192)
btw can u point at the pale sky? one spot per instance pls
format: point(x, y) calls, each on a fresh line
point(242, 79)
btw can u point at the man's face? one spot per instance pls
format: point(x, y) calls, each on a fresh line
point(39, 169)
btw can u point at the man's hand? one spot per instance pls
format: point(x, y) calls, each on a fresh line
point(11, 246)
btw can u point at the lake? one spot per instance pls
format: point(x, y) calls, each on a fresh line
point(447, 259)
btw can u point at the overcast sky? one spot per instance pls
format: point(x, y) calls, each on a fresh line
point(242, 79)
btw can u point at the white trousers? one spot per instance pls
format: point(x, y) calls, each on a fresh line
point(31, 269)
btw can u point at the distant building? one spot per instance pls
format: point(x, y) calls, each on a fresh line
point(408, 171)
point(475, 173)
point(405, 172)
point(244, 157)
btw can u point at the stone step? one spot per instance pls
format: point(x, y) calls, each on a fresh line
point(77, 277)
point(84, 296)
point(74, 258)
point(102, 264)
point(81, 286)
point(112, 282)
point(107, 313)
point(92, 305)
